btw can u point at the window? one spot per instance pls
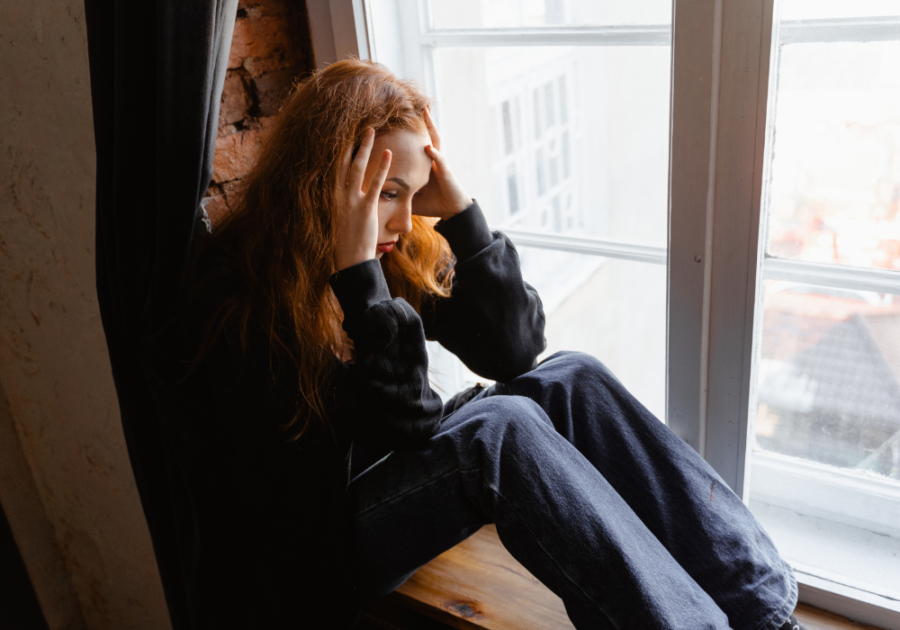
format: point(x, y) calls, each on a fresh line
point(825, 456)
point(555, 116)
point(684, 190)
point(532, 147)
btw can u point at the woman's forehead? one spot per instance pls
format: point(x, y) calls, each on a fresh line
point(403, 139)
point(407, 154)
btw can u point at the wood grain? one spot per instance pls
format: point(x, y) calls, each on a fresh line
point(815, 619)
point(478, 585)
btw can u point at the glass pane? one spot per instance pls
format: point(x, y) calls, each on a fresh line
point(825, 473)
point(590, 125)
point(835, 188)
point(829, 377)
point(612, 309)
point(825, 467)
point(536, 13)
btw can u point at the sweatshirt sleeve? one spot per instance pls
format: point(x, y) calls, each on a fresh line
point(384, 397)
point(493, 320)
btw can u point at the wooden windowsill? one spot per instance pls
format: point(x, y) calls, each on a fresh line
point(477, 585)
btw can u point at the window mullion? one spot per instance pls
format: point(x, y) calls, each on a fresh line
point(607, 248)
point(720, 75)
point(339, 30)
point(868, 29)
point(830, 275)
point(650, 35)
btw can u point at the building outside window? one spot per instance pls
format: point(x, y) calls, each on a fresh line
point(707, 198)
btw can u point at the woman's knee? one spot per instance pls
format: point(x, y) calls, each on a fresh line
point(566, 373)
point(505, 410)
point(576, 364)
point(504, 420)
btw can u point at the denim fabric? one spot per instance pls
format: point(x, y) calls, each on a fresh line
point(590, 492)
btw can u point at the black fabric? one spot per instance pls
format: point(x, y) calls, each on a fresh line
point(157, 69)
point(493, 321)
point(19, 607)
point(274, 507)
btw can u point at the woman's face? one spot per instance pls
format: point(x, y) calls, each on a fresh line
point(409, 172)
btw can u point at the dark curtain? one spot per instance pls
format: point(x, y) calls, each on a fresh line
point(157, 69)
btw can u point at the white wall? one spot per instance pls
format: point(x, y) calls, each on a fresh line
point(65, 479)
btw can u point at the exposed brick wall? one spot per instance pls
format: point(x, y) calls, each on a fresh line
point(270, 49)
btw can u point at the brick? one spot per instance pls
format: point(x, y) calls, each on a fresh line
point(227, 130)
point(232, 189)
point(271, 90)
point(236, 101)
point(257, 66)
point(267, 53)
point(216, 208)
point(236, 154)
point(259, 123)
point(261, 44)
point(239, 43)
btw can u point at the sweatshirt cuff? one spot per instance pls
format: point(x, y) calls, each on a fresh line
point(359, 287)
point(467, 232)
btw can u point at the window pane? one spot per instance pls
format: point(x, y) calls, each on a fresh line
point(507, 128)
point(591, 122)
point(612, 309)
point(835, 187)
point(548, 97)
point(829, 377)
point(541, 177)
point(538, 128)
point(536, 13)
point(563, 98)
point(825, 471)
point(512, 189)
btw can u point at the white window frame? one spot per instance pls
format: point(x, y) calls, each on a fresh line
point(721, 122)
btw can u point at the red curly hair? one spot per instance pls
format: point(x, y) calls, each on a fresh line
point(282, 234)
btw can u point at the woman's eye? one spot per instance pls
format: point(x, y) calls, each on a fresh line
point(388, 195)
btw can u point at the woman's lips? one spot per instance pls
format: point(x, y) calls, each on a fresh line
point(384, 248)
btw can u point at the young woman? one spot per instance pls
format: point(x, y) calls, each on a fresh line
point(308, 311)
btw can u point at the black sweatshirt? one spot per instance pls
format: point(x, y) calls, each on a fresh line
point(493, 321)
point(267, 511)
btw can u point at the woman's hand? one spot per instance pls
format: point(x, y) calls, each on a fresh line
point(442, 196)
point(358, 205)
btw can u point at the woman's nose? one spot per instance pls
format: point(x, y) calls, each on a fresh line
point(401, 220)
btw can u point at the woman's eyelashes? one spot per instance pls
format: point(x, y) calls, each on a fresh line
point(390, 195)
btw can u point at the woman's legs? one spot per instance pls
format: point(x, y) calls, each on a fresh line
point(675, 493)
point(499, 459)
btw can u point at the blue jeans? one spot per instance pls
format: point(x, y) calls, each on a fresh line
point(590, 492)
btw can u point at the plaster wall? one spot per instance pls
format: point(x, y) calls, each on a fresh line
point(65, 478)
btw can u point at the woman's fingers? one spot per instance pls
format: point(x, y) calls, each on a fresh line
point(432, 129)
point(438, 158)
point(378, 178)
point(358, 168)
point(344, 169)
point(452, 197)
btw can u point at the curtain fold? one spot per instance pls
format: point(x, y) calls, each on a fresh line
point(157, 70)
